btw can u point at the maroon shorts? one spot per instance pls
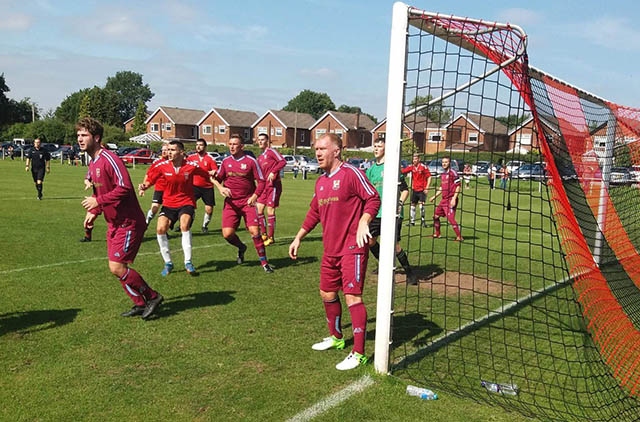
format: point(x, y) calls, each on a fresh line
point(271, 194)
point(444, 209)
point(344, 273)
point(234, 210)
point(124, 240)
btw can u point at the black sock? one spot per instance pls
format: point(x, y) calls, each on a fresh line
point(375, 250)
point(404, 261)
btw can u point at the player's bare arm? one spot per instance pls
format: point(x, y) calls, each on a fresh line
point(295, 244)
point(363, 235)
point(89, 203)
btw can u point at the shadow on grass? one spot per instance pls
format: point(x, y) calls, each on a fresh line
point(33, 321)
point(177, 304)
point(214, 266)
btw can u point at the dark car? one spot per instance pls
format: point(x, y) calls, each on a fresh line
point(620, 176)
point(139, 156)
point(65, 152)
point(125, 150)
point(530, 171)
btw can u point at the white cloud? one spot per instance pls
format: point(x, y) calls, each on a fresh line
point(321, 72)
point(618, 34)
point(15, 22)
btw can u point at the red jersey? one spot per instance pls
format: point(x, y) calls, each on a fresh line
point(271, 161)
point(113, 189)
point(207, 163)
point(339, 201)
point(178, 190)
point(160, 183)
point(419, 176)
point(240, 176)
point(449, 182)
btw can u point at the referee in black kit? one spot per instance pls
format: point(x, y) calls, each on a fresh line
point(40, 160)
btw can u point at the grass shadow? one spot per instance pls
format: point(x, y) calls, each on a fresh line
point(33, 321)
point(178, 304)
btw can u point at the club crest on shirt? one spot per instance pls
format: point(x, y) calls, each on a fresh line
point(336, 184)
point(186, 176)
point(97, 172)
point(243, 166)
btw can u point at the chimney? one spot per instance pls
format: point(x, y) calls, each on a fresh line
point(357, 120)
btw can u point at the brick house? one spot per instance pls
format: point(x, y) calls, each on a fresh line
point(474, 132)
point(427, 136)
point(353, 128)
point(523, 138)
point(128, 125)
point(285, 128)
point(217, 126)
point(174, 123)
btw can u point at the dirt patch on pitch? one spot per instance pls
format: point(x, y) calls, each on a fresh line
point(451, 283)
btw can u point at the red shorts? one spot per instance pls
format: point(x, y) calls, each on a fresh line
point(271, 194)
point(344, 273)
point(444, 209)
point(234, 210)
point(124, 240)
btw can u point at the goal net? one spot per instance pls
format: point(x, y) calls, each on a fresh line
point(538, 308)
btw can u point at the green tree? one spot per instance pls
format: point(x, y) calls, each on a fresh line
point(4, 101)
point(313, 103)
point(130, 90)
point(437, 113)
point(85, 106)
point(69, 108)
point(354, 109)
point(139, 127)
point(512, 121)
point(99, 103)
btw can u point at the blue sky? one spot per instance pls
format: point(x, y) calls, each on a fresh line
point(256, 55)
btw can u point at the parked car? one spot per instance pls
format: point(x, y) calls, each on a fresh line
point(635, 173)
point(620, 176)
point(125, 150)
point(139, 156)
point(291, 160)
point(480, 168)
point(50, 147)
point(530, 171)
point(435, 166)
point(64, 152)
point(312, 166)
point(514, 165)
point(355, 161)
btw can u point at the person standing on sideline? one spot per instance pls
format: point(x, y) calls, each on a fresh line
point(159, 186)
point(466, 174)
point(115, 197)
point(178, 201)
point(375, 174)
point(504, 177)
point(202, 186)
point(344, 203)
point(271, 162)
point(449, 189)
point(243, 184)
point(40, 161)
point(420, 182)
point(491, 174)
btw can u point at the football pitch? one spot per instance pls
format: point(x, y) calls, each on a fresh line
point(231, 343)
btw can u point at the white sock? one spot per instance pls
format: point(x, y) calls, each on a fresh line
point(412, 213)
point(150, 216)
point(186, 245)
point(163, 242)
point(207, 220)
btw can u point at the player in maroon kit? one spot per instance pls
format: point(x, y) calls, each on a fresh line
point(115, 197)
point(202, 186)
point(159, 187)
point(178, 201)
point(271, 162)
point(243, 184)
point(420, 182)
point(450, 189)
point(344, 203)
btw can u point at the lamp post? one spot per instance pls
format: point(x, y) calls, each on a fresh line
point(295, 132)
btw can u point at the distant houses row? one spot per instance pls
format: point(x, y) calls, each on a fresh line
point(466, 132)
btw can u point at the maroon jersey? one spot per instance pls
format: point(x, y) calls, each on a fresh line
point(449, 181)
point(419, 176)
point(271, 161)
point(178, 190)
point(113, 189)
point(240, 176)
point(207, 163)
point(339, 201)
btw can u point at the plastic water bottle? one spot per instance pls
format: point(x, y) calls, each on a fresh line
point(423, 393)
point(509, 389)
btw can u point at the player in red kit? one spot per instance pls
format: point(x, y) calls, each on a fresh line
point(271, 162)
point(420, 182)
point(202, 186)
point(178, 202)
point(115, 197)
point(450, 187)
point(159, 187)
point(344, 203)
point(243, 184)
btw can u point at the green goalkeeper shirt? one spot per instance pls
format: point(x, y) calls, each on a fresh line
point(375, 174)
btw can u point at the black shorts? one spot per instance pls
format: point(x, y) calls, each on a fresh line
point(206, 194)
point(173, 214)
point(38, 174)
point(418, 196)
point(157, 197)
point(374, 228)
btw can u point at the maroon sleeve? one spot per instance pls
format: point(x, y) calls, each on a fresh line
point(280, 163)
point(257, 174)
point(121, 181)
point(313, 216)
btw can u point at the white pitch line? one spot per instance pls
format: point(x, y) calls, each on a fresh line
point(333, 400)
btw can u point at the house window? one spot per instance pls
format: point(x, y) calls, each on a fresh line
point(301, 136)
point(362, 139)
point(155, 127)
point(472, 138)
point(320, 133)
point(278, 131)
point(435, 137)
point(524, 139)
point(262, 129)
point(339, 132)
point(222, 129)
point(167, 127)
point(206, 130)
point(247, 134)
point(383, 135)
